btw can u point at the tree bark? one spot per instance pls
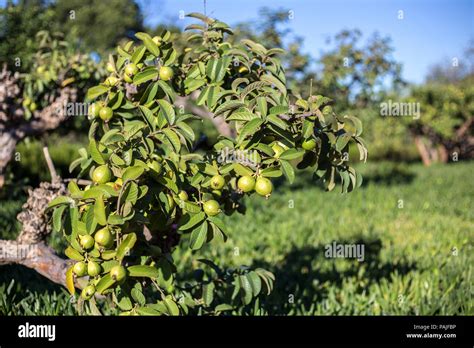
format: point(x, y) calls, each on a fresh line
point(7, 148)
point(38, 257)
point(422, 150)
point(30, 249)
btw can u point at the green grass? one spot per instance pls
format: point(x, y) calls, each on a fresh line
point(418, 258)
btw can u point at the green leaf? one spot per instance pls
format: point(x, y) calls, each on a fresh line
point(187, 130)
point(342, 142)
point(243, 115)
point(356, 123)
point(247, 289)
point(149, 117)
point(60, 200)
point(271, 172)
point(138, 296)
point(168, 111)
point(241, 170)
point(173, 138)
point(130, 194)
point(149, 43)
point(252, 87)
point(292, 154)
point(57, 217)
point(275, 82)
point(143, 271)
point(198, 236)
point(192, 220)
point(171, 306)
point(145, 75)
point(124, 302)
point(228, 105)
point(147, 310)
point(96, 91)
point(99, 211)
point(250, 128)
point(115, 219)
point(104, 283)
point(272, 118)
point(132, 173)
point(223, 307)
point(191, 207)
point(138, 54)
point(95, 153)
point(217, 221)
point(167, 89)
point(255, 282)
point(208, 293)
point(127, 244)
point(288, 170)
point(73, 254)
point(200, 16)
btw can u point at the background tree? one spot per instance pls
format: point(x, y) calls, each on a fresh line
point(99, 25)
point(36, 101)
point(19, 23)
point(445, 130)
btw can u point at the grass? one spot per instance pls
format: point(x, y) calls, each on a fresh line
point(416, 224)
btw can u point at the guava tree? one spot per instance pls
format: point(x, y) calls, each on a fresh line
point(153, 191)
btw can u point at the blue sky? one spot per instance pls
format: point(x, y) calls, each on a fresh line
point(431, 30)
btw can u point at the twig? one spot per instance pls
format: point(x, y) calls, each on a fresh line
point(49, 162)
point(79, 181)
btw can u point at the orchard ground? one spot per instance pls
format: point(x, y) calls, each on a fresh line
point(416, 223)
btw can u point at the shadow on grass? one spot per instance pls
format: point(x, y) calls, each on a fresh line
point(26, 278)
point(395, 176)
point(306, 274)
point(385, 174)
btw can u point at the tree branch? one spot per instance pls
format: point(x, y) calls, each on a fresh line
point(188, 103)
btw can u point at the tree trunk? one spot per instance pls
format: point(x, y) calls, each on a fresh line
point(38, 257)
point(443, 153)
point(7, 148)
point(30, 249)
point(422, 150)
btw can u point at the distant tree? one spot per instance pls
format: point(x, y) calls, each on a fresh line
point(19, 23)
point(445, 130)
point(35, 101)
point(357, 74)
point(99, 25)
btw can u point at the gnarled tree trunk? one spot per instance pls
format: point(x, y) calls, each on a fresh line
point(30, 249)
